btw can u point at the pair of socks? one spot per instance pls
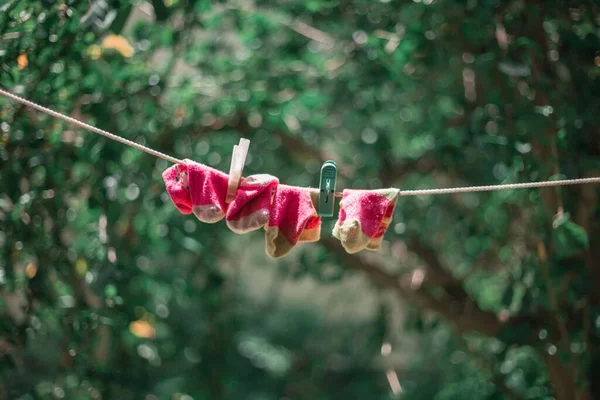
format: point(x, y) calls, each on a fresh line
point(364, 217)
point(287, 213)
point(199, 189)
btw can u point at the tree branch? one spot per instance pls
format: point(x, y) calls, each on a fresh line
point(475, 319)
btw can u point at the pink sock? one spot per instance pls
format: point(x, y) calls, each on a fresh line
point(365, 216)
point(293, 219)
point(250, 208)
point(175, 179)
point(207, 188)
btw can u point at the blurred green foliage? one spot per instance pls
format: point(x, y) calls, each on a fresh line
point(107, 292)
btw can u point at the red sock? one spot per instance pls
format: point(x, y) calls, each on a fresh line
point(175, 179)
point(208, 189)
point(293, 219)
point(250, 208)
point(365, 216)
point(204, 194)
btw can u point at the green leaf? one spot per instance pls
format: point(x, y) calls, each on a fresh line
point(110, 290)
point(202, 6)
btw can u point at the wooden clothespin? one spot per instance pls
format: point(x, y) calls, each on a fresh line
point(238, 160)
point(326, 206)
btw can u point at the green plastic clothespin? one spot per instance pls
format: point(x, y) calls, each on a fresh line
point(326, 205)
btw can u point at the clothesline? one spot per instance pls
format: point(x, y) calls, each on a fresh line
point(465, 189)
point(89, 127)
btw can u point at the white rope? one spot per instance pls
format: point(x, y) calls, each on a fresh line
point(467, 189)
point(470, 189)
point(90, 127)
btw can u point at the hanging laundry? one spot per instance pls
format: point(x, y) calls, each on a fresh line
point(293, 219)
point(251, 206)
point(288, 213)
point(364, 217)
point(176, 182)
point(206, 190)
point(201, 189)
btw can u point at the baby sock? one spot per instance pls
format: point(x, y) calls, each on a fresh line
point(208, 190)
point(175, 179)
point(250, 208)
point(205, 193)
point(293, 219)
point(365, 215)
